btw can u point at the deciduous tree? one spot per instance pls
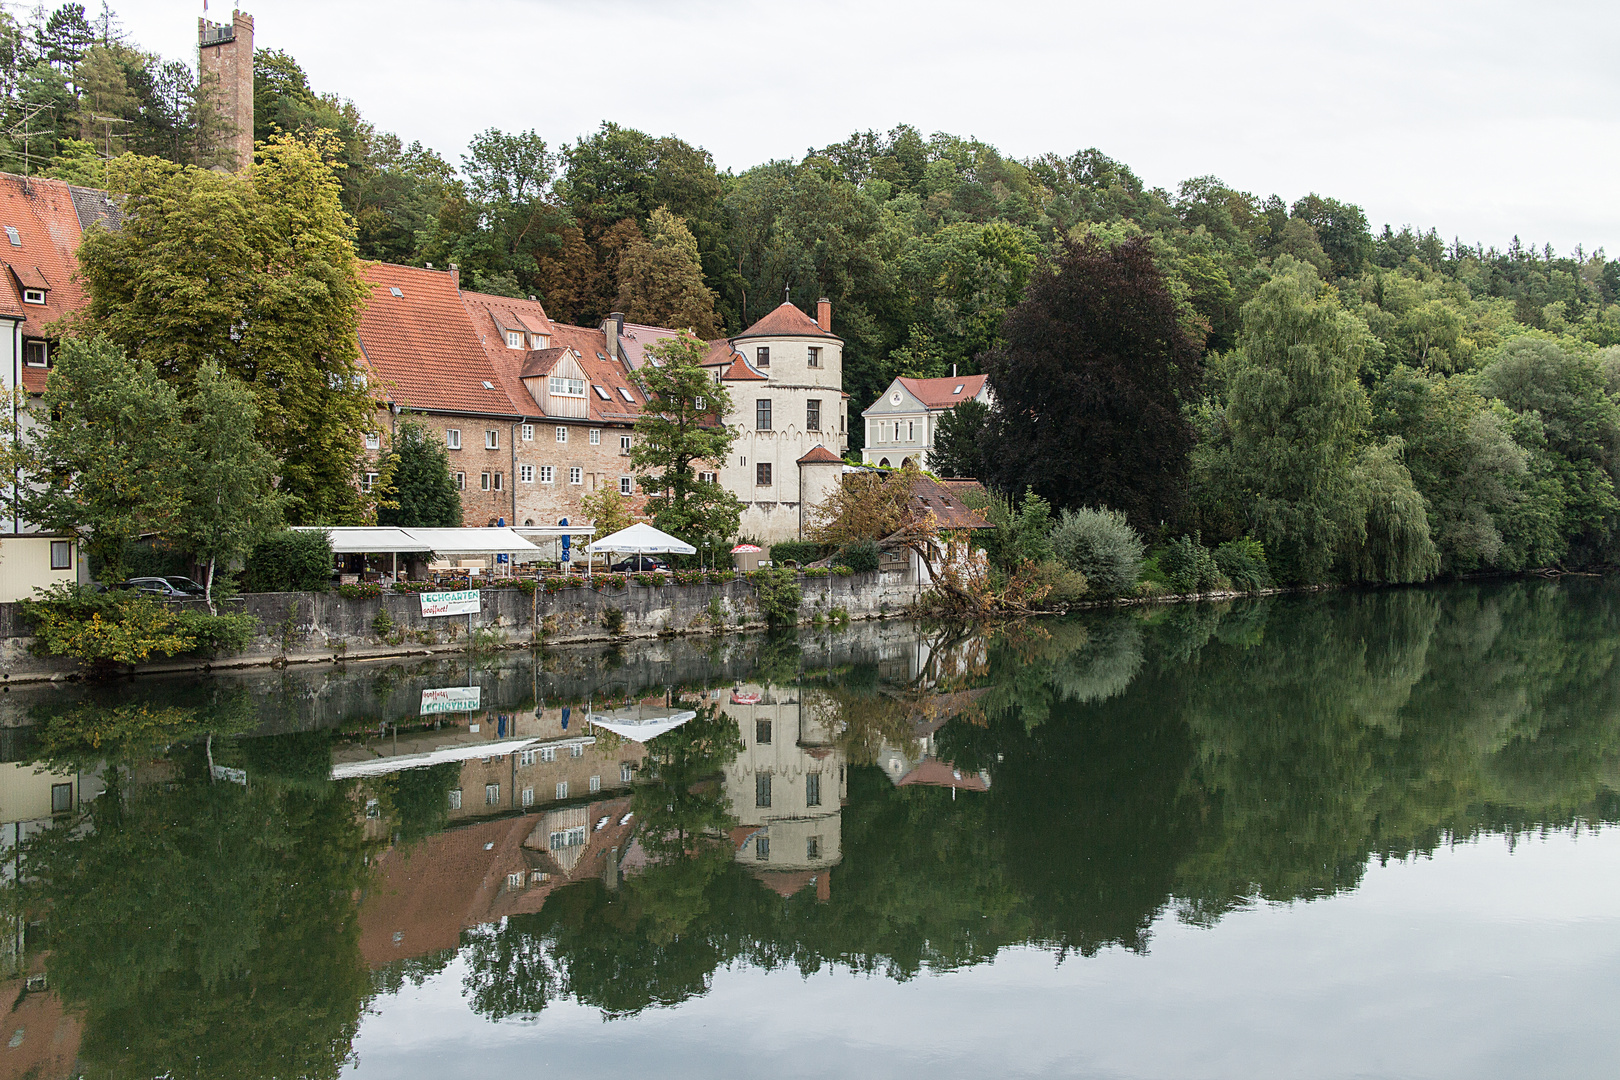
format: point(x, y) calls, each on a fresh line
point(682, 423)
point(421, 491)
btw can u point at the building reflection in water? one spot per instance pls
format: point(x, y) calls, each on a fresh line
point(917, 761)
point(787, 788)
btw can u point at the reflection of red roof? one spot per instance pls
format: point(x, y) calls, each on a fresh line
point(936, 773)
point(820, 455)
point(944, 393)
point(785, 321)
point(422, 347)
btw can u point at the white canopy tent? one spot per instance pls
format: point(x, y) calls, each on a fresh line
point(642, 539)
point(371, 541)
point(384, 540)
point(638, 728)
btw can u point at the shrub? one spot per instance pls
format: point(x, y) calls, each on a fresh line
point(650, 580)
point(816, 572)
point(417, 586)
point(1101, 545)
point(779, 595)
point(360, 590)
point(127, 627)
point(798, 551)
point(1188, 565)
point(613, 621)
point(689, 577)
point(219, 635)
point(527, 586)
point(1244, 564)
point(720, 577)
point(383, 624)
point(1065, 586)
point(1021, 534)
point(861, 557)
point(289, 561)
point(842, 571)
point(553, 586)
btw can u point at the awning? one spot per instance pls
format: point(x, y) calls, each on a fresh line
point(640, 729)
point(348, 540)
point(380, 540)
point(642, 539)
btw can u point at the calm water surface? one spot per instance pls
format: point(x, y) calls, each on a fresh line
point(1356, 835)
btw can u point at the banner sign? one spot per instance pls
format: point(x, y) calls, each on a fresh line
point(465, 602)
point(451, 699)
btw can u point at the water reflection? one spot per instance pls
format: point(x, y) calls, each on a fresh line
point(188, 861)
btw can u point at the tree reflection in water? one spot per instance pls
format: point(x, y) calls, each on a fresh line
point(1090, 775)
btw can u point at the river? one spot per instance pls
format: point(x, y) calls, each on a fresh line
point(1356, 834)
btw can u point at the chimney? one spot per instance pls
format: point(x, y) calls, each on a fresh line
point(824, 314)
point(612, 327)
point(455, 276)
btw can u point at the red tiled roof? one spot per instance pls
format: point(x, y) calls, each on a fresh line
point(601, 370)
point(785, 321)
point(742, 371)
point(636, 337)
point(49, 229)
point(944, 501)
point(820, 455)
point(423, 348)
point(491, 317)
point(940, 393)
point(720, 353)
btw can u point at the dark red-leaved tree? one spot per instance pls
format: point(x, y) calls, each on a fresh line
point(1089, 385)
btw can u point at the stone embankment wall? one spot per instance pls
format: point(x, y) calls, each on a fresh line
point(316, 627)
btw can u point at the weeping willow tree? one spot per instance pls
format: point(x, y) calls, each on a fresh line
point(1388, 539)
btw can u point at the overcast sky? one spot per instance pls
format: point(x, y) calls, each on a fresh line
point(1486, 119)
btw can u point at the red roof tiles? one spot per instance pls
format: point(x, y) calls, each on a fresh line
point(422, 346)
point(820, 455)
point(785, 321)
point(49, 227)
point(943, 393)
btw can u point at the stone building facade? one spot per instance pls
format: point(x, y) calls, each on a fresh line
point(225, 60)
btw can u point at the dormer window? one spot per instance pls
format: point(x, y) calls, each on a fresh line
point(36, 354)
point(539, 341)
point(626, 395)
point(762, 356)
point(562, 386)
point(514, 339)
point(33, 296)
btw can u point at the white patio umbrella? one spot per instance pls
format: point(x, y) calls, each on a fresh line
point(642, 539)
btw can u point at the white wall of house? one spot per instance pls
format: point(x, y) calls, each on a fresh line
point(900, 428)
point(783, 742)
point(771, 507)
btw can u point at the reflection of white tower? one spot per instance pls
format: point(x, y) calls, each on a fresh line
point(786, 787)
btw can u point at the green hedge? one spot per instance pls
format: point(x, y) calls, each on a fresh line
point(798, 551)
point(289, 561)
point(861, 557)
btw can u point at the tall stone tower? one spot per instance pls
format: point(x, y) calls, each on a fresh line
point(225, 57)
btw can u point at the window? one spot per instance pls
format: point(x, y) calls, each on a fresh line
point(562, 386)
point(484, 481)
point(492, 440)
point(625, 774)
point(624, 444)
point(514, 339)
point(815, 356)
point(394, 290)
point(762, 732)
point(596, 783)
point(601, 393)
point(762, 414)
point(762, 847)
point(911, 431)
point(548, 753)
point(461, 481)
point(33, 296)
point(762, 790)
point(706, 478)
point(13, 236)
point(562, 789)
point(455, 799)
point(812, 415)
point(368, 481)
point(539, 341)
point(528, 433)
point(492, 794)
point(497, 481)
point(61, 554)
point(812, 847)
point(452, 438)
point(526, 473)
point(627, 395)
point(762, 474)
point(562, 434)
point(596, 437)
point(61, 798)
point(526, 757)
point(812, 789)
point(548, 473)
point(488, 385)
point(528, 796)
point(576, 750)
point(624, 486)
point(576, 475)
point(697, 403)
point(373, 810)
point(373, 441)
point(514, 882)
point(567, 838)
point(36, 354)
point(762, 356)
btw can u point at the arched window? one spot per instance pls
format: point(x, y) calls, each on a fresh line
point(884, 463)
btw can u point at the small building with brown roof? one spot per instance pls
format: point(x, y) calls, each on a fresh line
point(900, 424)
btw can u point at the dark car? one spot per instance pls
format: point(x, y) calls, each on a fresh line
point(640, 564)
point(170, 588)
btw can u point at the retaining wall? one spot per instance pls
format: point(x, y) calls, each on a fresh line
point(304, 627)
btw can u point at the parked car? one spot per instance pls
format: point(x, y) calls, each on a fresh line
point(170, 588)
point(640, 564)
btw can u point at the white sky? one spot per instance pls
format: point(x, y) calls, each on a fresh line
point(1485, 120)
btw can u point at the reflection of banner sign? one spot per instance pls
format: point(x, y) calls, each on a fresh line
point(235, 776)
point(465, 602)
point(447, 699)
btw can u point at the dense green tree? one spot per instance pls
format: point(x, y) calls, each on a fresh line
point(959, 436)
point(1090, 385)
point(681, 425)
point(661, 279)
point(421, 491)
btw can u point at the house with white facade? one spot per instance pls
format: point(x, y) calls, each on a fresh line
point(900, 425)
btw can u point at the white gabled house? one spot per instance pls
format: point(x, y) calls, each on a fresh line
point(900, 424)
